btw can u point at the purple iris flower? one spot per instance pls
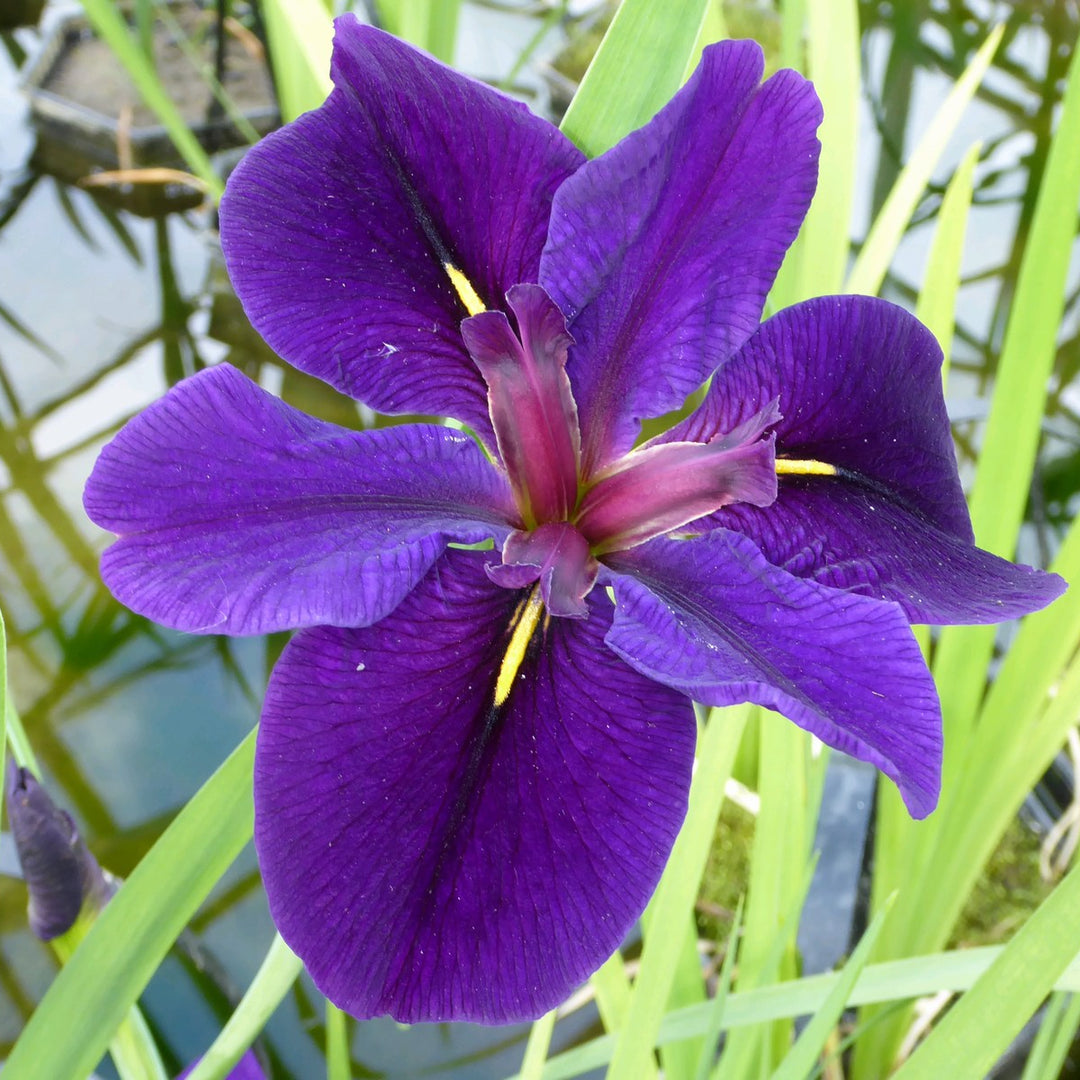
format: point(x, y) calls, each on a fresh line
point(472, 764)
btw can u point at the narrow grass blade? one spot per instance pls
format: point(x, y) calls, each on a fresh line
point(431, 26)
point(301, 37)
point(800, 1060)
point(713, 28)
point(206, 73)
point(710, 1041)
point(792, 53)
point(17, 738)
point(818, 260)
point(536, 1049)
point(977, 1030)
point(899, 841)
point(749, 1053)
point(279, 970)
point(1022, 724)
point(1011, 441)
point(133, 1050)
point(1033, 665)
point(890, 224)
point(678, 1061)
point(3, 706)
point(676, 892)
point(69, 1031)
point(338, 1057)
point(936, 306)
point(896, 980)
point(639, 65)
point(611, 984)
point(783, 834)
point(105, 17)
point(1055, 1037)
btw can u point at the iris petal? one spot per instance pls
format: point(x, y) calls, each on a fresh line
point(435, 861)
point(335, 229)
point(711, 618)
point(661, 251)
point(238, 514)
point(853, 537)
point(859, 383)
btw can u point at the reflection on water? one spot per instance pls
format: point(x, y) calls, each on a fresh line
point(101, 311)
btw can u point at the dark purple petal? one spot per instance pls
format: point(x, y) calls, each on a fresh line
point(336, 227)
point(531, 407)
point(661, 251)
point(859, 386)
point(859, 382)
point(711, 618)
point(862, 539)
point(237, 514)
point(62, 877)
point(431, 857)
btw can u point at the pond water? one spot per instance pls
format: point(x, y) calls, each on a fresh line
point(102, 310)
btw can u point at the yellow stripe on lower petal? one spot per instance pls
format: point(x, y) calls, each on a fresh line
point(527, 621)
point(473, 304)
point(795, 467)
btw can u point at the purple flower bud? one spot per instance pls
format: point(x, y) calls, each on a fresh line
point(62, 877)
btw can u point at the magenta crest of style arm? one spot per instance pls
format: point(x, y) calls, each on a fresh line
point(472, 764)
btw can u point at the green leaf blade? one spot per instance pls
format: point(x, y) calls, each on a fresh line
point(638, 67)
point(71, 1028)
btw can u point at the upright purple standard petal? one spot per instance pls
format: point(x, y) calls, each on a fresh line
point(712, 618)
point(532, 409)
point(859, 383)
point(237, 514)
point(434, 858)
point(336, 228)
point(661, 251)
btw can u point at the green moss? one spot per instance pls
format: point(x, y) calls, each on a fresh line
point(726, 872)
point(1007, 892)
point(581, 48)
point(1009, 889)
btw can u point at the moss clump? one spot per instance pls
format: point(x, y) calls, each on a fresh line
point(726, 872)
point(1008, 891)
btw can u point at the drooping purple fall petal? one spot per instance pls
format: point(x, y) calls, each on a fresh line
point(433, 858)
point(335, 228)
point(861, 539)
point(661, 251)
point(712, 618)
point(238, 514)
point(859, 383)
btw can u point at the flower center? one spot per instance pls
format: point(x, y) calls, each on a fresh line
point(529, 398)
point(569, 522)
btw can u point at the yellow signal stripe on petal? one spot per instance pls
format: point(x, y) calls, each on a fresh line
point(473, 304)
point(795, 467)
point(527, 620)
